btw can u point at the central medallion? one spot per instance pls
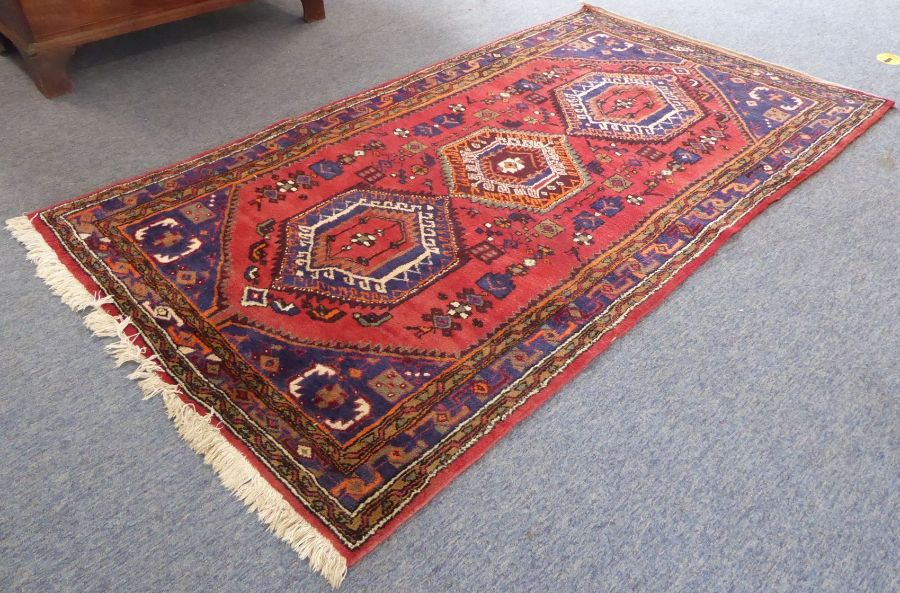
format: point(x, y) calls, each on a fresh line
point(634, 107)
point(513, 169)
point(368, 247)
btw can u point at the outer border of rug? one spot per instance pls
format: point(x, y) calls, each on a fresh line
point(234, 465)
point(202, 433)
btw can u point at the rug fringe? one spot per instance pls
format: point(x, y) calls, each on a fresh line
point(234, 470)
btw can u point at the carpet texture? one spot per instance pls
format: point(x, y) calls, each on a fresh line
point(710, 486)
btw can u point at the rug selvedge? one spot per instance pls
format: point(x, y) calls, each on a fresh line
point(359, 296)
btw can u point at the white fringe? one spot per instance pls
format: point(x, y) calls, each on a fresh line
point(233, 469)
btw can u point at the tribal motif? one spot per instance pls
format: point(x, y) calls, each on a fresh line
point(367, 247)
point(627, 106)
point(361, 297)
point(513, 169)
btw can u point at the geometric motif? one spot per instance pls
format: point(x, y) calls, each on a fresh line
point(368, 246)
point(627, 106)
point(390, 385)
point(513, 169)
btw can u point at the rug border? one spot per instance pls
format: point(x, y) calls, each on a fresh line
point(731, 52)
point(240, 472)
point(235, 470)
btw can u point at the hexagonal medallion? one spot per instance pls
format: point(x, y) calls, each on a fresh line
point(513, 169)
point(368, 246)
point(636, 107)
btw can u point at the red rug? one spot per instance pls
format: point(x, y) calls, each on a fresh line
point(343, 311)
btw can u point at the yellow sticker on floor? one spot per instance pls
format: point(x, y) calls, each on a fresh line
point(892, 59)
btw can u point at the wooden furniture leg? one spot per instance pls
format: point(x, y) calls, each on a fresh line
point(313, 10)
point(47, 69)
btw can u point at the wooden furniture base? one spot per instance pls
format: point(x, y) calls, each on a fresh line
point(47, 32)
point(47, 69)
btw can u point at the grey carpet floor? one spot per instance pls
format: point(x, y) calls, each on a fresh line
point(744, 437)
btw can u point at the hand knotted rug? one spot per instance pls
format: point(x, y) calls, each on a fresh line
point(343, 311)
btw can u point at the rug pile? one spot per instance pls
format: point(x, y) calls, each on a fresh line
point(343, 311)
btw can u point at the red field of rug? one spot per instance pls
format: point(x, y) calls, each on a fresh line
point(343, 311)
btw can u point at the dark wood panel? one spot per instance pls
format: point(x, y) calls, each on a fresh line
point(46, 32)
point(50, 18)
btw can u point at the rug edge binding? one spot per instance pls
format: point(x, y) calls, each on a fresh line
point(587, 6)
point(235, 472)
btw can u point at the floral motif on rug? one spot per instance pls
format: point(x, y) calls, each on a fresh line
point(362, 299)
